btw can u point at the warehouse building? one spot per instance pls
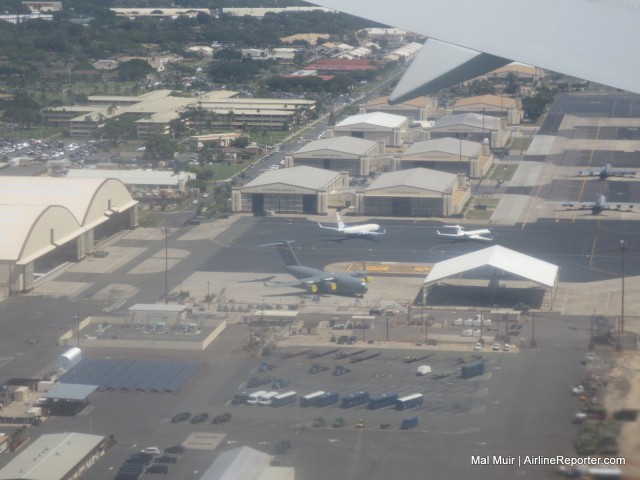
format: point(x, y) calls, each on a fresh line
point(386, 128)
point(339, 154)
point(289, 190)
point(247, 464)
point(57, 456)
point(473, 127)
point(500, 106)
point(416, 109)
point(448, 154)
point(417, 192)
point(48, 221)
point(141, 183)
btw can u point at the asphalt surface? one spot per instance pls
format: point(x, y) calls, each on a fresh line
point(585, 250)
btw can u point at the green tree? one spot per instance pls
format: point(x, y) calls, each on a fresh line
point(240, 142)
point(134, 70)
point(22, 109)
point(160, 147)
point(119, 128)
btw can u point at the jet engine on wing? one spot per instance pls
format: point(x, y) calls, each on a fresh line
point(310, 287)
point(329, 286)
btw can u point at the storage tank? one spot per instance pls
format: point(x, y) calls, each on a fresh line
point(69, 359)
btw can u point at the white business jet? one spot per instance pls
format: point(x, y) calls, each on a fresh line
point(461, 234)
point(369, 230)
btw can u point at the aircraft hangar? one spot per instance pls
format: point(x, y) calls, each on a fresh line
point(490, 277)
point(289, 190)
point(46, 221)
point(415, 192)
point(340, 154)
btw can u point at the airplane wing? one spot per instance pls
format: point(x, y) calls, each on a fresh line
point(327, 228)
point(579, 204)
point(589, 173)
point(452, 235)
point(470, 51)
point(300, 282)
point(374, 233)
point(480, 237)
point(621, 173)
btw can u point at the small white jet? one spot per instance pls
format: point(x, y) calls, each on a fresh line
point(606, 171)
point(462, 234)
point(600, 205)
point(369, 230)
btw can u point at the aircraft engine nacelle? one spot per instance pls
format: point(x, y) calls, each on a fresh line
point(311, 287)
point(329, 286)
point(367, 279)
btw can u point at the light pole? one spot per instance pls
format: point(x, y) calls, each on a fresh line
point(166, 264)
point(623, 247)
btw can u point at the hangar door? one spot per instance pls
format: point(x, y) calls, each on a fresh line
point(310, 204)
point(257, 203)
point(401, 207)
point(426, 207)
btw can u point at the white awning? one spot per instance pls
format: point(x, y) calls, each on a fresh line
point(516, 263)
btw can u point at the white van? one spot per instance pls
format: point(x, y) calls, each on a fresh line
point(152, 450)
point(423, 370)
point(255, 397)
point(266, 398)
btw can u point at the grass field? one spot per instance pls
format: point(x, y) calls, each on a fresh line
point(505, 172)
point(520, 143)
point(485, 213)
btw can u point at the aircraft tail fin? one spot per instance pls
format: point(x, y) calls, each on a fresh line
point(340, 222)
point(285, 251)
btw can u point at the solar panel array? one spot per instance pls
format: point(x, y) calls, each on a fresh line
point(133, 375)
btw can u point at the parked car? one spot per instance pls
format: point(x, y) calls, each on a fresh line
point(175, 449)
point(181, 417)
point(317, 369)
point(158, 468)
point(166, 459)
point(340, 370)
point(200, 418)
point(223, 418)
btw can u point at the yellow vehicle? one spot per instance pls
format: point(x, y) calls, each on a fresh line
point(360, 423)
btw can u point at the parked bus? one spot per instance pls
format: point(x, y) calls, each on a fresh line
point(383, 400)
point(410, 401)
point(266, 398)
point(355, 399)
point(328, 398)
point(254, 397)
point(310, 399)
point(284, 399)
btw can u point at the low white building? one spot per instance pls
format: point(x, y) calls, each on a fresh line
point(386, 128)
point(139, 180)
point(453, 155)
point(56, 456)
point(340, 154)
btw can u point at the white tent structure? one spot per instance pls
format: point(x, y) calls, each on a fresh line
point(501, 260)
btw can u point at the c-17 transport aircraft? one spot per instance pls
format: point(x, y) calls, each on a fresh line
point(606, 171)
point(369, 230)
point(599, 205)
point(318, 281)
point(563, 33)
point(462, 234)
